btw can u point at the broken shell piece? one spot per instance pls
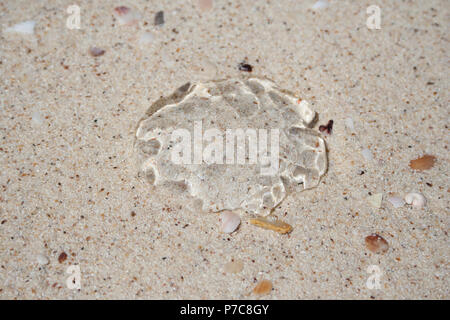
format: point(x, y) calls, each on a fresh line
point(26, 27)
point(235, 266)
point(375, 200)
point(397, 202)
point(126, 16)
point(274, 225)
point(263, 287)
point(230, 221)
point(417, 200)
point(423, 163)
point(321, 4)
point(376, 244)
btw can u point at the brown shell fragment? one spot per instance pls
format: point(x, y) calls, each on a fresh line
point(62, 257)
point(263, 287)
point(376, 244)
point(274, 225)
point(424, 163)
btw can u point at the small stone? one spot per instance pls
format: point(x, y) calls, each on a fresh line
point(376, 244)
point(95, 52)
point(274, 225)
point(235, 266)
point(62, 257)
point(263, 287)
point(230, 221)
point(245, 67)
point(375, 200)
point(159, 18)
point(397, 202)
point(423, 163)
point(41, 259)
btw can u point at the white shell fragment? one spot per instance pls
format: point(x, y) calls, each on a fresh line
point(230, 221)
point(26, 27)
point(396, 202)
point(321, 4)
point(235, 144)
point(417, 200)
point(126, 16)
point(375, 200)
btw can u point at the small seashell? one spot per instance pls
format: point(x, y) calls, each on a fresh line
point(263, 287)
point(41, 259)
point(397, 202)
point(424, 163)
point(235, 266)
point(126, 16)
point(375, 200)
point(230, 221)
point(95, 52)
point(417, 200)
point(321, 4)
point(274, 225)
point(376, 244)
point(26, 27)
